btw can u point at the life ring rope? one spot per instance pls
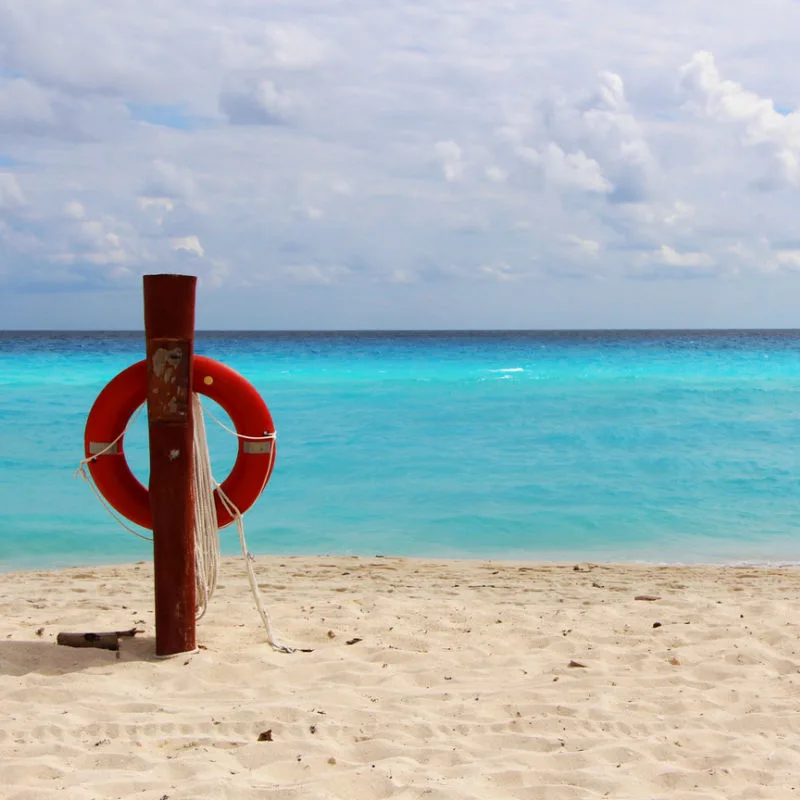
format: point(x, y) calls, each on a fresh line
point(266, 437)
point(87, 477)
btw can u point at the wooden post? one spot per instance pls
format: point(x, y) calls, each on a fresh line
point(169, 330)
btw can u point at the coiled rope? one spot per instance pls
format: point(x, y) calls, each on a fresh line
point(206, 532)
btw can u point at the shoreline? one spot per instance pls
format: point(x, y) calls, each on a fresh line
point(444, 560)
point(427, 678)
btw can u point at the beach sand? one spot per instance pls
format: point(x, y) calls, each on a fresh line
point(446, 679)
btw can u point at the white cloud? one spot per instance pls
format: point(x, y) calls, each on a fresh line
point(499, 272)
point(727, 100)
point(11, 196)
point(188, 244)
point(574, 170)
point(159, 203)
point(569, 171)
point(757, 119)
point(614, 137)
point(74, 210)
point(588, 247)
point(679, 212)
point(737, 249)
point(167, 181)
point(320, 274)
point(255, 100)
point(672, 258)
point(449, 154)
point(496, 175)
point(341, 186)
point(31, 110)
point(588, 140)
point(101, 242)
point(788, 258)
point(296, 48)
point(25, 106)
point(314, 146)
point(17, 241)
point(402, 276)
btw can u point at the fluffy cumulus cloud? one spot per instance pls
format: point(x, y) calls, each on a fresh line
point(754, 119)
point(404, 164)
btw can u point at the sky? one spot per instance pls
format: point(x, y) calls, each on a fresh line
point(334, 164)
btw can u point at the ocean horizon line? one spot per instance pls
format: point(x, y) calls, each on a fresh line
point(406, 331)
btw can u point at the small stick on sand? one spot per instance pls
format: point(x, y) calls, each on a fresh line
point(108, 640)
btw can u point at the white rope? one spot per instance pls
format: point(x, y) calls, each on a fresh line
point(206, 532)
point(81, 470)
point(206, 528)
point(238, 435)
point(251, 575)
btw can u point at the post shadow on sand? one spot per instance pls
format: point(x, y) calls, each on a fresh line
point(28, 657)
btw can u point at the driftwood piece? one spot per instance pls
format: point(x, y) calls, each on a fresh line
point(107, 640)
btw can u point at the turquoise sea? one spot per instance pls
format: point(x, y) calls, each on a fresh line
point(615, 446)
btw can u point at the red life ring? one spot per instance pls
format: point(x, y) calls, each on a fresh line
point(115, 405)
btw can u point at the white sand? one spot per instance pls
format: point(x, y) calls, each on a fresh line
point(459, 688)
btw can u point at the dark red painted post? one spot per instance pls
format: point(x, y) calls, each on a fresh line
point(169, 330)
